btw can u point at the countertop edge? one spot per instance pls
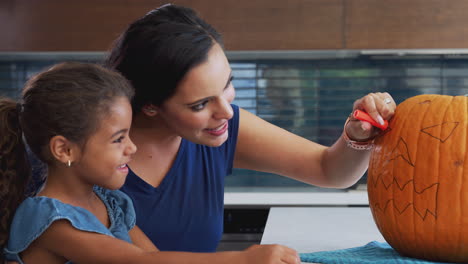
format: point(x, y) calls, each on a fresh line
point(297, 198)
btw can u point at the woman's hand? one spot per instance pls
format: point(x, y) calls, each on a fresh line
point(269, 254)
point(380, 106)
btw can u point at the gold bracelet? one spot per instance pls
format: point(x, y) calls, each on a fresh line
point(357, 145)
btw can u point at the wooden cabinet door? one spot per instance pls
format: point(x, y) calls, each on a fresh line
point(403, 24)
point(91, 25)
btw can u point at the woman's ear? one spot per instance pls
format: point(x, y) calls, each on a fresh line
point(63, 150)
point(150, 110)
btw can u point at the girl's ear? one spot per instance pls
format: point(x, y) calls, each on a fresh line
point(150, 110)
point(63, 150)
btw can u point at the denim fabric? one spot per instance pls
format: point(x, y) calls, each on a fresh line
point(36, 214)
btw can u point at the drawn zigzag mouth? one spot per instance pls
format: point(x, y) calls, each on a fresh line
point(423, 201)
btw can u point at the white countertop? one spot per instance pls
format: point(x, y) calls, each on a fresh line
point(311, 229)
point(296, 198)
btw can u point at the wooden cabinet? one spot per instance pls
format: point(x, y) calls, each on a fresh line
point(56, 25)
point(278, 24)
point(91, 25)
point(403, 24)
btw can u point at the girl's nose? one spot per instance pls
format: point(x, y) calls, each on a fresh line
point(132, 148)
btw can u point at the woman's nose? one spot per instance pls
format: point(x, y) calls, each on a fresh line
point(224, 110)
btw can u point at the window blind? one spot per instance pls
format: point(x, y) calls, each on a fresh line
point(308, 97)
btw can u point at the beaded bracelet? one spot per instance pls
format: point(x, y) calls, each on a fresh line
point(357, 145)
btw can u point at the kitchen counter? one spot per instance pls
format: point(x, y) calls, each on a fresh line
point(311, 229)
point(269, 197)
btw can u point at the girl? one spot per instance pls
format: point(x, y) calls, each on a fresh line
point(190, 136)
point(76, 118)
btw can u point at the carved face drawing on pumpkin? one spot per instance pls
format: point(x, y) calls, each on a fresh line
point(417, 178)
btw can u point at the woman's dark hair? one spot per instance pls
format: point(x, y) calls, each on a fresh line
point(69, 99)
point(157, 50)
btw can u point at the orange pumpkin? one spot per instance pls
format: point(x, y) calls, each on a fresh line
point(418, 179)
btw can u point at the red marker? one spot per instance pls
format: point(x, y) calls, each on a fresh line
point(363, 116)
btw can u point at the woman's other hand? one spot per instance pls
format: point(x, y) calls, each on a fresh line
point(269, 254)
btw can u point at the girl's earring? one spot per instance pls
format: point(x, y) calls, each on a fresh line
point(69, 163)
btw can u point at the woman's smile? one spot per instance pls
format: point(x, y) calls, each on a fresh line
point(218, 131)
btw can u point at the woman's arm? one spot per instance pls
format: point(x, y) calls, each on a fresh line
point(140, 240)
point(265, 147)
point(62, 239)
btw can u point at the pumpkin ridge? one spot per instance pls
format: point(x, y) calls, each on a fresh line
point(439, 146)
point(432, 114)
point(404, 229)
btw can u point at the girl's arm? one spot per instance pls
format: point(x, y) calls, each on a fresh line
point(62, 239)
point(265, 147)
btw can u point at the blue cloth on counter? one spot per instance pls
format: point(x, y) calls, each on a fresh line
point(372, 253)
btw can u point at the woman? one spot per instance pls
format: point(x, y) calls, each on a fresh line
point(190, 137)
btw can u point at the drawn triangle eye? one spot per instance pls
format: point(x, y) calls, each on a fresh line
point(401, 151)
point(441, 132)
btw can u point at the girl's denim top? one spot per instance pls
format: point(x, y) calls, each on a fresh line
point(36, 214)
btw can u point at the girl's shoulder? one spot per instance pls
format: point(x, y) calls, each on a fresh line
point(36, 214)
point(119, 206)
point(114, 198)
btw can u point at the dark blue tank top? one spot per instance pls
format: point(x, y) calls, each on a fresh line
point(185, 212)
